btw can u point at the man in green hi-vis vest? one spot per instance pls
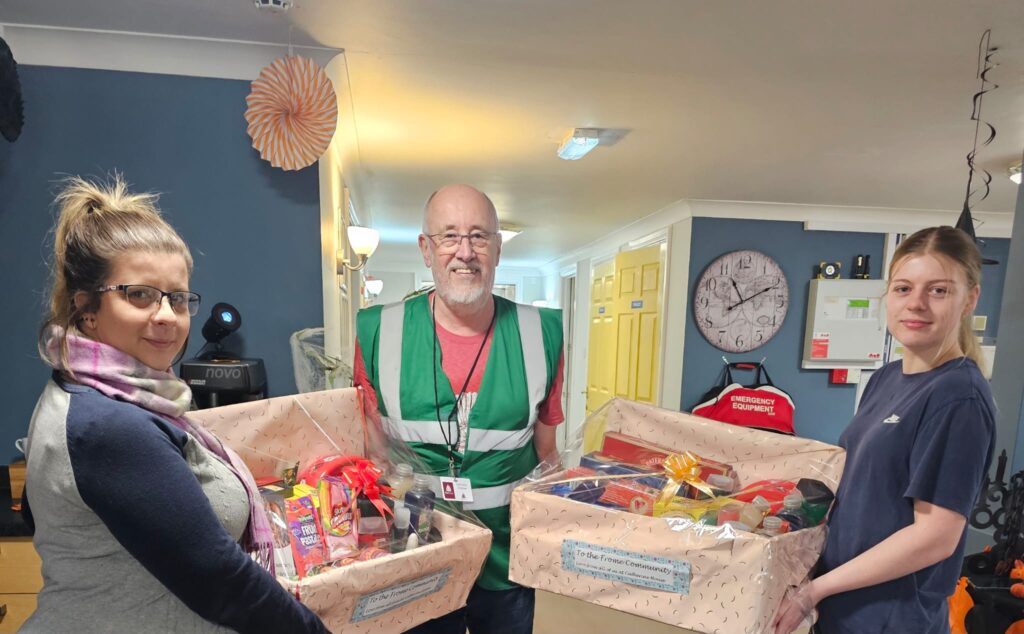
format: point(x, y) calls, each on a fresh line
point(472, 382)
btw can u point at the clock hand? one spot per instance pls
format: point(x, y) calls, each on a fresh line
point(738, 293)
point(751, 297)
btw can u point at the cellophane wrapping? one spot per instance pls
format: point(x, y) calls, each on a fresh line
point(389, 594)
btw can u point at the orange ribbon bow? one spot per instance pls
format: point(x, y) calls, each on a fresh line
point(681, 468)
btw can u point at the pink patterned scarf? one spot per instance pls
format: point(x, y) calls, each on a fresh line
point(122, 377)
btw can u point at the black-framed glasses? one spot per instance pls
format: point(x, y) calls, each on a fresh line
point(450, 240)
point(143, 296)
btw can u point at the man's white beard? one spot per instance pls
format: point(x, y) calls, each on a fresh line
point(464, 297)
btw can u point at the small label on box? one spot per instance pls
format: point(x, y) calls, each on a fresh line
point(638, 569)
point(378, 602)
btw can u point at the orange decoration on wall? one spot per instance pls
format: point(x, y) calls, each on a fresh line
point(292, 112)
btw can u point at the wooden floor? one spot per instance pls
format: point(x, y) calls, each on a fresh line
point(562, 615)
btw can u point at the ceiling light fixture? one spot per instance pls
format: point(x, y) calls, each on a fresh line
point(1014, 172)
point(578, 142)
point(277, 6)
point(508, 232)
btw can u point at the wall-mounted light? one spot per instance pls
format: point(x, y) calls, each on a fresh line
point(1014, 172)
point(363, 241)
point(374, 286)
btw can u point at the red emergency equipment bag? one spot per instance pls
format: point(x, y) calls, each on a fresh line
point(760, 405)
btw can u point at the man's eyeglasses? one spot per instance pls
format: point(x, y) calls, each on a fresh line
point(450, 240)
point(142, 296)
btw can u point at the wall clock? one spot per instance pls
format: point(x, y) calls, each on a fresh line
point(740, 300)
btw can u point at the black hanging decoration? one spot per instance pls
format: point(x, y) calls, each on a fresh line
point(965, 222)
point(11, 114)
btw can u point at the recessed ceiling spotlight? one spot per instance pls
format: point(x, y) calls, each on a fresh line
point(578, 142)
point(277, 6)
point(1014, 172)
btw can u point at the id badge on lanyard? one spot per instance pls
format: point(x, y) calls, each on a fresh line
point(456, 489)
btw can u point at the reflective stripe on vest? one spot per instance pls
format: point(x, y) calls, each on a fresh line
point(484, 497)
point(392, 317)
point(480, 440)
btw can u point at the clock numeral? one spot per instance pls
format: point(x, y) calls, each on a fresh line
point(721, 335)
point(711, 284)
point(745, 261)
point(708, 322)
point(780, 301)
point(704, 301)
point(759, 336)
point(724, 269)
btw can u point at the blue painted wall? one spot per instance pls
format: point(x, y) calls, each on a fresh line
point(992, 277)
point(254, 230)
point(822, 409)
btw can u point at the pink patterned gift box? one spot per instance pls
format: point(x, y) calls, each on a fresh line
point(713, 580)
point(390, 594)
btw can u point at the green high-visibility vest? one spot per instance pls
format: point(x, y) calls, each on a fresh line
point(397, 343)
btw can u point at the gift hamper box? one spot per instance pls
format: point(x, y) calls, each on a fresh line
point(676, 518)
point(374, 590)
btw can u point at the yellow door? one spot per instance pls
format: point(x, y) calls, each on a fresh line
point(637, 289)
point(601, 340)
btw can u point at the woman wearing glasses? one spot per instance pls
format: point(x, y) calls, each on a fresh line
point(144, 521)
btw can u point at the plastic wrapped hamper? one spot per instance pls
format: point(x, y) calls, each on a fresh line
point(389, 594)
point(637, 539)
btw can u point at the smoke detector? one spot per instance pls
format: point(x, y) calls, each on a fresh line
point(277, 6)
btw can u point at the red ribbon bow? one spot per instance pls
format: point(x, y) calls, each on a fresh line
point(361, 477)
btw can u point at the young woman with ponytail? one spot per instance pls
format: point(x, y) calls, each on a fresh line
point(144, 521)
point(918, 449)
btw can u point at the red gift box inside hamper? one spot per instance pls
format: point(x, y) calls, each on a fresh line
point(390, 594)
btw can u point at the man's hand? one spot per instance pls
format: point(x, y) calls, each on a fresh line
point(546, 444)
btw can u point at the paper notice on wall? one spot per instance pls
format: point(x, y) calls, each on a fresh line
point(819, 345)
point(386, 599)
point(638, 569)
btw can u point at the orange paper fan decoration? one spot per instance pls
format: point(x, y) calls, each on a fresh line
point(292, 112)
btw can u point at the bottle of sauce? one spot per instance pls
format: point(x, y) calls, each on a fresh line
point(401, 480)
point(420, 502)
point(793, 512)
point(772, 526)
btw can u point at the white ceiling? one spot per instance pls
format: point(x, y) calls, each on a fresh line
point(860, 103)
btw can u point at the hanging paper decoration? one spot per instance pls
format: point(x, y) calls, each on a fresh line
point(965, 222)
point(292, 112)
point(11, 115)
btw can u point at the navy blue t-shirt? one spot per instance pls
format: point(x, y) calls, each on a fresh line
point(926, 436)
